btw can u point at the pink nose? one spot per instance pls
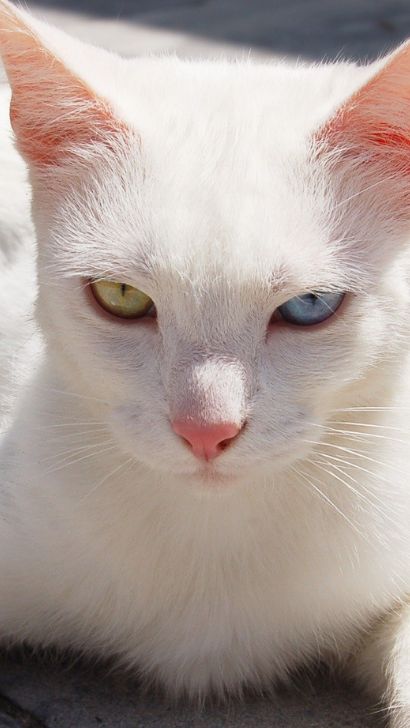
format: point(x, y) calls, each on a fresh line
point(207, 441)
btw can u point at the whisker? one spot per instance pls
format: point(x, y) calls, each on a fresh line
point(75, 449)
point(393, 408)
point(67, 393)
point(380, 510)
point(327, 500)
point(74, 394)
point(376, 476)
point(371, 425)
point(329, 460)
point(107, 477)
point(360, 436)
point(76, 435)
point(72, 423)
point(78, 460)
point(354, 453)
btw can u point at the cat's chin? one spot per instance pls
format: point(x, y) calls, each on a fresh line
point(211, 478)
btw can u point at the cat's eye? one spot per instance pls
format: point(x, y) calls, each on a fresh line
point(309, 308)
point(121, 299)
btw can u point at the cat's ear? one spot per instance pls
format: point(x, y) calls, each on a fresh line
point(52, 110)
point(375, 121)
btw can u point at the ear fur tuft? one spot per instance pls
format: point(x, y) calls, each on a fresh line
point(52, 110)
point(376, 119)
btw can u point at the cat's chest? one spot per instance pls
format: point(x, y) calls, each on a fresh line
point(174, 561)
point(154, 573)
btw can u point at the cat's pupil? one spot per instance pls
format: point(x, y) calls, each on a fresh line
point(311, 298)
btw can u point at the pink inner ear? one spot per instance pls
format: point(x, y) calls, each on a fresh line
point(360, 131)
point(376, 118)
point(52, 111)
point(47, 141)
point(56, 114)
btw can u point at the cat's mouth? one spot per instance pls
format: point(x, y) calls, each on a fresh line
point(207, 475)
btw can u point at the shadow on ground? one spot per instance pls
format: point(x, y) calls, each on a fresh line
point(55, 696)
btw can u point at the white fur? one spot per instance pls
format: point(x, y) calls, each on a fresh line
point(115, 539)
point(17, 276)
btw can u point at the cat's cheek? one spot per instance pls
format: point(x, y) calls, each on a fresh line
point(146, 434)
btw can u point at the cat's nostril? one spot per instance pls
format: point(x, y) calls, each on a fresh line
point(206, 441)
point(225, 443)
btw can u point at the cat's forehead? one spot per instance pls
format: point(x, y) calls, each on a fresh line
point(227, 172)
point(238, 220)
point(225, 182)
point(226, 148)
point(283, 100)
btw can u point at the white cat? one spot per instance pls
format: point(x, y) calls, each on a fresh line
point(205, 472)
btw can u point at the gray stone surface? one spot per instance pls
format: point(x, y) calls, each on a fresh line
point(48, 695)
point(54, 696)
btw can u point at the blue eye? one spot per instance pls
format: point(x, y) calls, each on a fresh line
point(310, 308)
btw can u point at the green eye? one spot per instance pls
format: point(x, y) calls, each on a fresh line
point(122, 300)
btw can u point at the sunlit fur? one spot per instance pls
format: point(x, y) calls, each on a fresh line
point(222, 192)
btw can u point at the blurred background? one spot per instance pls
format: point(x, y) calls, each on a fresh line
point(311, 29)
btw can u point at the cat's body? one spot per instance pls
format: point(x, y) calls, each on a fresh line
point(294, 544)
point(17, 265)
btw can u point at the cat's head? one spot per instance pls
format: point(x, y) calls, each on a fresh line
point(261, 212)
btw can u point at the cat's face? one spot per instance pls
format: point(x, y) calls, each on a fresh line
point(217, 266)
point(221, 204)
